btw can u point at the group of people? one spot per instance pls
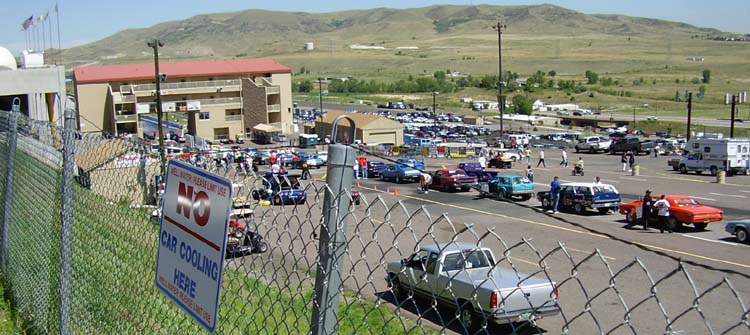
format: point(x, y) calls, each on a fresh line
point(651, 209)
point(360, 168)
point(628, 160)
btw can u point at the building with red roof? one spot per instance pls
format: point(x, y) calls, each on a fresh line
point(213, 99)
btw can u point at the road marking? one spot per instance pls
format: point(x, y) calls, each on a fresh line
point(710, 240)
point(636, 179)
point(729, 195)
point(744, 191)
point(573, 230)
point(701, 198)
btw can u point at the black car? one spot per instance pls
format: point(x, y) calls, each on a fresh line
point(374, 167)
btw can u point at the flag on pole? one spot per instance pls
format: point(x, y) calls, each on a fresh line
point(28, 23)
point(45, 16)
point(56, 7)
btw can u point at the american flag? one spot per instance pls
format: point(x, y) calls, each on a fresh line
point(28, 22)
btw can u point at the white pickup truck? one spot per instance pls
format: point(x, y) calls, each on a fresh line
point(466, 277)
point(593, 144)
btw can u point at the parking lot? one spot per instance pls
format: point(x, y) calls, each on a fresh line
point(593, 250)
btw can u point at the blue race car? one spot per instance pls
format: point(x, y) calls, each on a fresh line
point(313, 161)
point(398, 173)
point(281, 189)
point(412, 163)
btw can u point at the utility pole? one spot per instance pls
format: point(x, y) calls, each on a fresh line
point(320, 94)
point(731, 119)
point(690, 112)
point(155, 44)
point(500, 98)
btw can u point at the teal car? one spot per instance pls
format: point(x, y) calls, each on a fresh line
point(507, 187)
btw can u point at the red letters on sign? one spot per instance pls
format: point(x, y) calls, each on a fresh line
point(186, 203)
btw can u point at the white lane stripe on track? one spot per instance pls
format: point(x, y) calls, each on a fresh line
point(728, 195)
point(701, 198)
point(636, 179)
point(710, 240)
point(744, 191)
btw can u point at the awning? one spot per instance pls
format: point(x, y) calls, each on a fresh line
point(266, 128)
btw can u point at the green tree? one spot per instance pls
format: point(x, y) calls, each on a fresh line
point(706, 76)
point(592, 77)
point(439, 75)
point(552, 73)
point(521, 105)
point(305, 86)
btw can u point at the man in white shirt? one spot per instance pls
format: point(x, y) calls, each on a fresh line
point(541, 159)
point(597, 181)
point(662, 205)
point(275, 168)
point(483, 161)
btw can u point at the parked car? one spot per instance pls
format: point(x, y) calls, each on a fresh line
point(631, 144)
point(465, 276)
point(412, 163)
point(593, 144)
point(452, 180)
point(739, 229)
point(507, 187)
point(682, 210)
point(281, 189)
point(474, 169)
point(374, 167)
point(323, 155)
point(399, 173)
point(313, 161)
point(581, 196)
point(261, 157)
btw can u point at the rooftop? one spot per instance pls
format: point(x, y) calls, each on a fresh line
point(145, 71)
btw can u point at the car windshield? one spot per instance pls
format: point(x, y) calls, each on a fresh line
point(604, 189)
point(685, 202)
point(456, 174)
point(468, 259)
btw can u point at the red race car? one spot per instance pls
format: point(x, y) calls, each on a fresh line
point(452, 180)
point(682, 210)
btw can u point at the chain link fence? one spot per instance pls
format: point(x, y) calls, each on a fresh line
point(80, 258)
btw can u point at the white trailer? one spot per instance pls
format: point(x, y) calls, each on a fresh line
point(714, 154)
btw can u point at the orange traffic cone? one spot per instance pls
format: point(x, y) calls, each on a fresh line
point(376, 188)
point(395, 191)
point(388, 190)
point(358, 185)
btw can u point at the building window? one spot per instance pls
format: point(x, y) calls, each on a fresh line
point(204, 116)
point(182, 80)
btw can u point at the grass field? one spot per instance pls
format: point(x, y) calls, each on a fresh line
point(113, 290)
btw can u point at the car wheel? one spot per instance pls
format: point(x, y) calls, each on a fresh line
point(592, 150)
point(603, 210)
point(262, 247)
point(742, 235)
point(674, 168)
point(714, 170)
point(277, 200)
point(700, 226)
point(396, 289)
point(630, 217)
point(398, 180)
point(683, 169)
point(526, 197)
point(578, 208)
point(468, 318)
point(578, 150)
point(674, 225)
point(381, 178)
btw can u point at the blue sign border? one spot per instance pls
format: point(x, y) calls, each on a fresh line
point(224, 182)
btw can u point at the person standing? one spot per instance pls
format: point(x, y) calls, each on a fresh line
point(363, 167)
point(624, 161)
point(541, 159)
point(554, 192)
point(530, 173)
point(564, 162)
point(528, 155)
point(356, 170)
point(646, 208)
point(597, 181)
point(305, 170)
point(656, 151)
point(482, 161)
point(662, 206)
point(631, 161)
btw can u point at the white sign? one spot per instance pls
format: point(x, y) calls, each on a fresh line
point(168, 107)
point(194, 105)
point(142, 108)
point(192, 240)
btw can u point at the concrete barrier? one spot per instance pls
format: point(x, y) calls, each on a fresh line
point(721, 177)
point(636, 170)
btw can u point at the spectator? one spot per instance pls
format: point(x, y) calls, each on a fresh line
point(597, 181)
point(305, 171)
point(662, 206)
point(631, 161)
point(528, 155)
point(554, 192)
point(530, 173)
point(275, 168)
point(646, 208)
point(363, 167)
point(541, 159)
point(483, 161)
point(425, 180)
point(624, 161)
point(656, 151)
point(564, 162)
point(356, 170)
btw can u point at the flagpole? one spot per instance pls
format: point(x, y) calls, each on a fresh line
point(44, 38)
point(51, 45)
point(59, 44)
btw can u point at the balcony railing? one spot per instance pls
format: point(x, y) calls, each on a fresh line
point(274, 108)
point(221, 101)
point(185, 85)
point(232, 118)
point(273, 90)
point(123, 99)
point(126, 118)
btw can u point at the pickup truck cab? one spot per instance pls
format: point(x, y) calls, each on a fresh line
point(632, 144)
point(467, 277)
point(507, 187)
point(593, 144)
point(582, 196)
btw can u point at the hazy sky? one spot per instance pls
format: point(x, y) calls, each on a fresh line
point(83, 21)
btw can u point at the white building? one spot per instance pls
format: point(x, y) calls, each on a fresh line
point(538, 105)
point(561, 107)
point(41, 88)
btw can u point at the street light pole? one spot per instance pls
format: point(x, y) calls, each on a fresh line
point(500, 98)
point(155, 44)
point(434, 107)
point(320, 94)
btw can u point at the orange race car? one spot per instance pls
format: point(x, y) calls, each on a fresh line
point(682, 210)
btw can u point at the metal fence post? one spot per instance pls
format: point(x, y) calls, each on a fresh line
point(332, 245)
point(11, 162)
point(66, 255)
